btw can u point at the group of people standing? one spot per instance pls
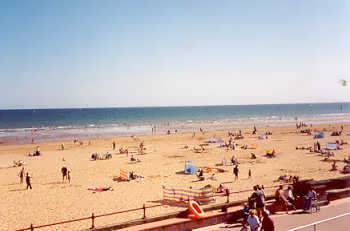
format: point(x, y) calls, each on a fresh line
point(256, 215)
point(25, 176)
point(28, 178)
point(65, 173)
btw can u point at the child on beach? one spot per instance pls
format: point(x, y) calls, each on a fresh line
point(200, 175)
point(68, 176)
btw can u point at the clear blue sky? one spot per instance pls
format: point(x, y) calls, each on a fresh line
point(69, 53)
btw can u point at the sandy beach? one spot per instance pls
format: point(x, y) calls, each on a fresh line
point(51, 200)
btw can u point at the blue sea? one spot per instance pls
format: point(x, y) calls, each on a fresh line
point(26, 124)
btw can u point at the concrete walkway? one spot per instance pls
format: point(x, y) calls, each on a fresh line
point(285, 222)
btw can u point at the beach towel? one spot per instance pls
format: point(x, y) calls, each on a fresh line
point(331, 146)
point(252, 146)
point(215, 140)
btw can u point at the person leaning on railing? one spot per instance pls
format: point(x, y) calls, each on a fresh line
point(311, 195)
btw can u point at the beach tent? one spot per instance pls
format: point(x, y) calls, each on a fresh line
point(331, 146)
point(215, 139)
point(190, 168)
point(319, 135)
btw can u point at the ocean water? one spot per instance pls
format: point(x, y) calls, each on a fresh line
point(93, 122)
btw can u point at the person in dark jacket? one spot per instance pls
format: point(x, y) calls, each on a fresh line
point(267, 222)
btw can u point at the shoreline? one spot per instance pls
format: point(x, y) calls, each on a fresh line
point(55, 135)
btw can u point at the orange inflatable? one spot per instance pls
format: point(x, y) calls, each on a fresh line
point(195, 210)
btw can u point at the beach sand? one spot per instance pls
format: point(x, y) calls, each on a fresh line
point(51, 201)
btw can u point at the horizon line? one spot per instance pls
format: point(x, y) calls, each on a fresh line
point(162, 106)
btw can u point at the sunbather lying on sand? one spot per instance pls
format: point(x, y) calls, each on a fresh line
point(97, 156)
point(134, 159)
point(340, 142)
point(123, 151)
point(302, 147)
point(252, 146)
point(239, 137)
point(325, 152)
point(36, 153)
point(221, 189)
point(133, 176)
point(336, 133)
point(198, 150)
point(18, 163)
point(306, 131)
point(101, 189)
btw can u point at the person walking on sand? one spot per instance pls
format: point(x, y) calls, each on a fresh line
point(249, 174)
point(254, 130)
point(68, 176)
point(28, 181)
point(21, 175)
point(113, 144)
point(64, 171)
point(236, 171)
point(318, 145)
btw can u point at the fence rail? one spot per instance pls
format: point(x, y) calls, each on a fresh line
point(226, 194)
point(314, 225)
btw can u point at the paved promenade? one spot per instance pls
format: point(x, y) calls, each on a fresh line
point(284, 222)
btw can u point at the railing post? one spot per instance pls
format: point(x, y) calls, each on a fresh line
point(31, 227)
point(227, 191)
point(144, 211)
point(92, 221)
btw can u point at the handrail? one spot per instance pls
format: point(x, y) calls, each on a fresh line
point(319, 222)
point(92, 217)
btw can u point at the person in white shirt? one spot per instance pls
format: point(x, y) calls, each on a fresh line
point(288, 193)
